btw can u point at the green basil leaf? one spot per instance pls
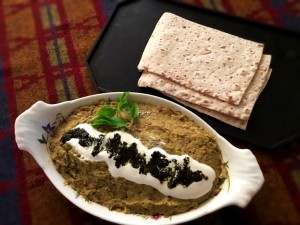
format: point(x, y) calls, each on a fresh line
point(123, 101)
point(114, 122)
point(134, 111)
point(111, 116)
point(108, 111)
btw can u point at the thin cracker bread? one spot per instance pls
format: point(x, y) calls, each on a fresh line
point(204, 59)
point(242, 124)
point(242, 111)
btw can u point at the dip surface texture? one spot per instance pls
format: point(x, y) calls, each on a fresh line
point(156, 127)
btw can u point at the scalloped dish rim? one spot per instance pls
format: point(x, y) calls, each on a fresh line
point(32, 126)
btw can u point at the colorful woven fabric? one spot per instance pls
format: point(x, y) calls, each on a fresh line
point(43, 47)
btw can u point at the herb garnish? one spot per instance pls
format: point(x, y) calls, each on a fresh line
point(122, 115)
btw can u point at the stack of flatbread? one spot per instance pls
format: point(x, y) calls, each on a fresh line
point(211, 71)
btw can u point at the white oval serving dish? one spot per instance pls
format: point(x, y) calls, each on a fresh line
point(33, 126)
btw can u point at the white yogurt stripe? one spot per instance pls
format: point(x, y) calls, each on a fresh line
point(194, 190)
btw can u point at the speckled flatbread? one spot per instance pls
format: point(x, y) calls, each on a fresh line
point(236, 122)
point(241, 111)
point(242, 124)
point(197, 57)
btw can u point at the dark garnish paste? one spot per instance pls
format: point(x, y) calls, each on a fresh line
point(159, 166)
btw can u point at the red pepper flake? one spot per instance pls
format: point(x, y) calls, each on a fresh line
point(157, 216)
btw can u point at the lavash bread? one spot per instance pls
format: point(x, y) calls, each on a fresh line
point(241, 111)
point(213, 72)
point(242, 124)
point(204, 59)
point(233, 121)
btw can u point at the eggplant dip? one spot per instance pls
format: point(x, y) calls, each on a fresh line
point(137, 158)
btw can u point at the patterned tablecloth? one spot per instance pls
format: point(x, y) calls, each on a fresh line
point(43, 46)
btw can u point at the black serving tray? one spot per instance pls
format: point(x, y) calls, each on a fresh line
point(275, 119)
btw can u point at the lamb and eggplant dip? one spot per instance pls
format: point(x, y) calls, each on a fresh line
point(138, 158)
